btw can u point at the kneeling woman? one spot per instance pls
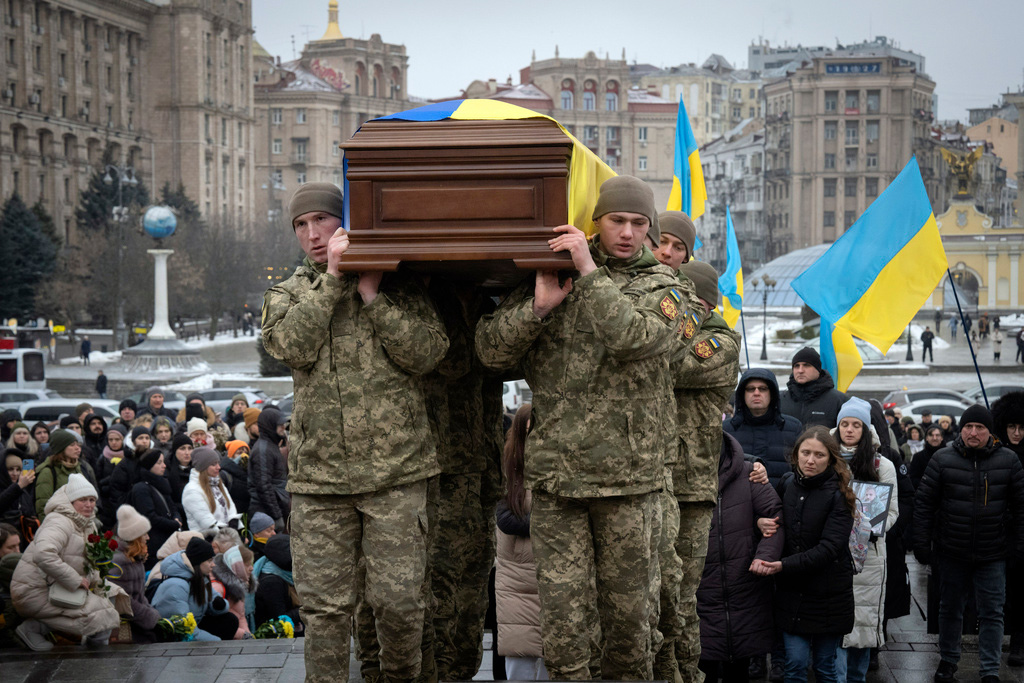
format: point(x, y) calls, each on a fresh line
point(186, 588)
point(814, 582)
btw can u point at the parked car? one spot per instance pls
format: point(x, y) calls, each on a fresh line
point(515, 394)
point(219, 398)
point(898, 398)
point(13, 398)
point(938, 406)
point(175, 400)
point(52, 409)
point(993, 391)
point(284, 404)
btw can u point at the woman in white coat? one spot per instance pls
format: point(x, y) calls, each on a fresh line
point(206, 500)
point(858, 444)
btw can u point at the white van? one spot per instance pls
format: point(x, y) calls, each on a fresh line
point(21, 368)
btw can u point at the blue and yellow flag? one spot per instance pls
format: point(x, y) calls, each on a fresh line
point(586, 170)
point(730, 283)
point(688, 190)
point(876, 277)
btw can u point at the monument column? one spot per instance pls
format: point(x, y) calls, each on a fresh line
point(1015, 280)
point(991, 280)
point(161, 326)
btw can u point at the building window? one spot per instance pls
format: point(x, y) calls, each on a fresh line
point(239, 135)
point(831, 130)
point(851, 160)
point(335, 118)
point(611, 101)
point(336, 178)
point(830, 161)
point(737, 112)
point(830, 187)
point(611, 133)
point(871, 161)
point(37, 57)
point(276, 116)
point(300, 150)
point(300, 177)
point(850, 187)
point(567, 99)
point(871, 131)
point(590, 134)
point(852, 132)
point(641, 164)
point(750, 112)
point(831, 100)
point(829, 219)
point(278, 176)
point(223, 131)
point(641, 133)
point(849, 217)
point(874, 101)
point(611, 161)
point(852, 101)
point(871, 187)
point(589, 101)
point(276, 147)
point(753, 93)
point(300, 115)
point(335, 149)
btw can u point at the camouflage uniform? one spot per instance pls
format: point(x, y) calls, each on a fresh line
point(360, 454)
point(598, 367)
point(705, 377)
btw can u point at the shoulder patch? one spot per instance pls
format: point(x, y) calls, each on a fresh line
point(707, 347)
point(263, 312)
point(903, 470)
point(689, 325)
point(669, 308)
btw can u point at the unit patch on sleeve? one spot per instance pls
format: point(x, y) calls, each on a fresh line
point(689, 327)
point(707, 348)
point(669, 308)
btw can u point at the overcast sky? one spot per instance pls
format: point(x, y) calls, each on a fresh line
point(973, 52)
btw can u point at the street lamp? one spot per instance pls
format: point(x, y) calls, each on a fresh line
point(124, 175)
point(766, 285)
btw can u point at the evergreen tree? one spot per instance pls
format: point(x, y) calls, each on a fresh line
point(95, 209)
point(46, 223)
point(188, 213)
point(29, 257)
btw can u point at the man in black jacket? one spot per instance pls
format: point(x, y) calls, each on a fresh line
point(268, 472)
point(970, 494)
point(811, 395)
point(759, 424)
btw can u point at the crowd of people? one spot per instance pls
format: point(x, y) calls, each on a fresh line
point(195, 506)
point(645, 517)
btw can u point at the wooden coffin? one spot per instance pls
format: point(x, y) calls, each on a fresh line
point(469, 199)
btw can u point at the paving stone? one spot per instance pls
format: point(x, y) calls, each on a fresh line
point(232, 650)
point(193, 669)
point(897, 647)
point(95, 669)
point(914, 660)
point(249, 676)
point(256, 661)
point(925, 647)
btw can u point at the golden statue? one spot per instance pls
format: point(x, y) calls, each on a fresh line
point(961, 166)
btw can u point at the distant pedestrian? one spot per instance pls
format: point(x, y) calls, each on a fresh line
point(1020, 346)
point(968, 324)
point(997, 344)
point(85, 350)
point(938, 321)
point(926, 338)
point(952, 327)
point(101, 384)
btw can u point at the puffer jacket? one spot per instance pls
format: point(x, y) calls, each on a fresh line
point(173, 595)
point(236, 478)
point(769, 437)
point(598, 365)
point(131, 577)
point(359, 422)
point(814, 590)
point(197, 508)
point(176, 542)
point(268, 471)
point(50, 476)
point(151, 496)
point(735, 605)
point(57, 555)
point(967, 499)
point(516, 597)
point(17, 502)
point(815, 403)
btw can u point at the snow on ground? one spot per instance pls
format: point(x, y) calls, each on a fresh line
point(206, 381)
point(95, 358)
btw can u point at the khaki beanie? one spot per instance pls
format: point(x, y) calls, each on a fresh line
point(705, 279)
point(626, 193)
point(678, 224)
point(324, 197)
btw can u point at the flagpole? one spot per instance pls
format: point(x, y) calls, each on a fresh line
point(743, 323)
point(967, 336)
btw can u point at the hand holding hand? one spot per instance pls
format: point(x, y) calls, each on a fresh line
point(547, 293)
point(369, 285)
point(336, 246)
point(572, 240)
point(26, 478)
point(768, 526)
point(762, 568)
point(759, 475)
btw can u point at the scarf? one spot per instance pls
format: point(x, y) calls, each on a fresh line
point(219, 500)
point(265, 566)
point(916, 446)
point(113, 456)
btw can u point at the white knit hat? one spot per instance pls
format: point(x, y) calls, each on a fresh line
point(131, 524)
point(79, 487)
point(196, 424)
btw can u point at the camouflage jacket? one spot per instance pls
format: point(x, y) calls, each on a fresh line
point(598, 366)
point(704, 378)
point(359, 422)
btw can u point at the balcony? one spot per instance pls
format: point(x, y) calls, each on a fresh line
point(776, 173)
point(299, 158)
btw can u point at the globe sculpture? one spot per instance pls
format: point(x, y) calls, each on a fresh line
point(159, 222)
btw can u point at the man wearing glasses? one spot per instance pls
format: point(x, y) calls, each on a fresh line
point(760, 425)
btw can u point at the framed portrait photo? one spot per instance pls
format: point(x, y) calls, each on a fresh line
point(874, 499)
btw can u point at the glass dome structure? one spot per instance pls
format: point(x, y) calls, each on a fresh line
point(783, 270)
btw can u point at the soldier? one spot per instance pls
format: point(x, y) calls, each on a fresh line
point(594, 349)
point(705, 377)
point(361, 451)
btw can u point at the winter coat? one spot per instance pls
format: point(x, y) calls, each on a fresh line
point(869, 584)
point(92, 449)
point(920, 463)
point(131, 576)
point(124, 477)
point(17, 502)
point(516, 597)
point(274, 593)
point(177, 541)
point(770, 437)
point(967, 500)
point(57, 555)
point(598, 365)
point(734, 604)
point(268, 471)
point(151, 496)
point(50, 476)
point(237, 593)
point(104, 469)
point(178, 478)
point(1009, 409)
point(814, 590)
point(237, 481)
point(359, 422)
point(815, 403)
point(150, 410)
point(174, 596)
point(197, 508)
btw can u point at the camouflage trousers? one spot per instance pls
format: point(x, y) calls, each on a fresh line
point(367, 646)
point(330, 534)
point(670, 621)
point(582, 542)
point(692, 547)
point(461, 561)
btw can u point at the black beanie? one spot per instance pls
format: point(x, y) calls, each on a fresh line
point(148, 458)
point(139, 431)
point(128, 403)
point(198, 551)
point(809, 356)
point(194, 410)
point(279, 551)
point(178, 441)
point(978, 414)
point(68, 420)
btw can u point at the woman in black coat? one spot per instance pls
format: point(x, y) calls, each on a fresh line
point(814, 579)
point(151, 497)
point(934, 440)
point(733, 603)
point(179, 468)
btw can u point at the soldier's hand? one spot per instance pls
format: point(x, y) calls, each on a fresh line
point(336, 246)
point(572, 240)
point(547, 293)
point(369, 285)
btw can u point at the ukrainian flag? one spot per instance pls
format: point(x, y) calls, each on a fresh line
point(586, 170)
point(730, 283)
point(876, 277)
point(688, 190)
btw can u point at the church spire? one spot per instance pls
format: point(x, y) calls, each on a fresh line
point(333, 31)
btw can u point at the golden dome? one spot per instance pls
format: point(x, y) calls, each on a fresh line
point(333, 31)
